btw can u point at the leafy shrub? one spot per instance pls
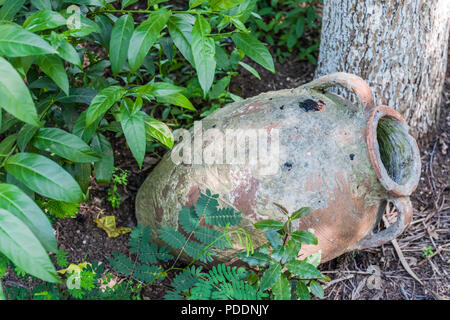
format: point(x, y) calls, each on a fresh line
point(287, 25)
point(202, 227)
point(301, 276)
point(132, 68)
point(193, 238)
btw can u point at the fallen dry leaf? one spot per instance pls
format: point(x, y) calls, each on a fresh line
point(108, 224)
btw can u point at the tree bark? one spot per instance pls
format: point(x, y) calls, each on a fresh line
point(398, 46)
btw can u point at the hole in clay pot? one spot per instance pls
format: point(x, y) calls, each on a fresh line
point(395, 149)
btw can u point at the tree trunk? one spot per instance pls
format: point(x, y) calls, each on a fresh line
point(398, 46)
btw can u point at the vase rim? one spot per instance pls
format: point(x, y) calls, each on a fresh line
point(400, 176)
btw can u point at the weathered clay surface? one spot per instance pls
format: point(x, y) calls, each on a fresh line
point(324, 163)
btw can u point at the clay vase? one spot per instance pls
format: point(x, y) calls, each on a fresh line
point(344, 160)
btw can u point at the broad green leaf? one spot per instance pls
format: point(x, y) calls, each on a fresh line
point(120, 41)
point(17, 42)
point(44, 20)
point(275, 239)
point(6, 145)
point(78, 95)
point(44, 176)
point(65, 145)
point(315, 258)
point(22, 65)
point(11, 180)
point(303, 270)
point(269, 224)
point(10, 8)
point(103, 168)
point(195, 3)
point(316, 289)
point(86, 26)
point(282, 289)
point(96, 3)
point(133, 127)
point(302, 291)
point(270, 276)
point(300, 27)
point(81, 172)
point(54, 68)
point(220, 5)
point(300, 213)
point(255, 49)
point(42, 4)
point(222, 58)
point(250, 69)
point(180, 29)
point(102, 102)
point(219, 88)
point(65, 49)
point(104, 38)
point(177, 99)
point(85, 132)
point(21, 246)
point(304, 237)
point(25, 135)
point(15, 97)
point(153, 2)
point(256, 259)
point(145, 36)
point(292, 249)
point(15, 201)
point(126, 3)
point(160, 131)
point(203, 50)
point(157, 89)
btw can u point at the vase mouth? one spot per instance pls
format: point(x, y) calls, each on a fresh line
point(393, 151)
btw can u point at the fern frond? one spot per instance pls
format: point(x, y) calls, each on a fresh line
point(223, 216)
point(188, 219)
point(147, 273)
point(172, 237)
point(209, 235)
point(201, 291)
point(139, 237)
point(173, 295)
point(59, 209)
point(185, 280)
point(121, 263)
point(223, 273)
point(151, 253)
point(206, 204)
point(236, 290)
point(225, 283)
point(193, 249)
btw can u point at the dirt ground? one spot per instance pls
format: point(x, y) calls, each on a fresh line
point(370, 274)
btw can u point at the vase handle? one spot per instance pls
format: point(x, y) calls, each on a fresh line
point(404, 217)
point(346, 81)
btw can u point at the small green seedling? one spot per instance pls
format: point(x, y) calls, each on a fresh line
point(428, 252)
point(119, 177)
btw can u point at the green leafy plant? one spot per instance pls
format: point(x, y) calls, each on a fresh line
point(72, 77)
point(86, 281)
point(119, 177)
point(284, 276)
point(428, 251)
point(191, 238)
point(287, 25)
